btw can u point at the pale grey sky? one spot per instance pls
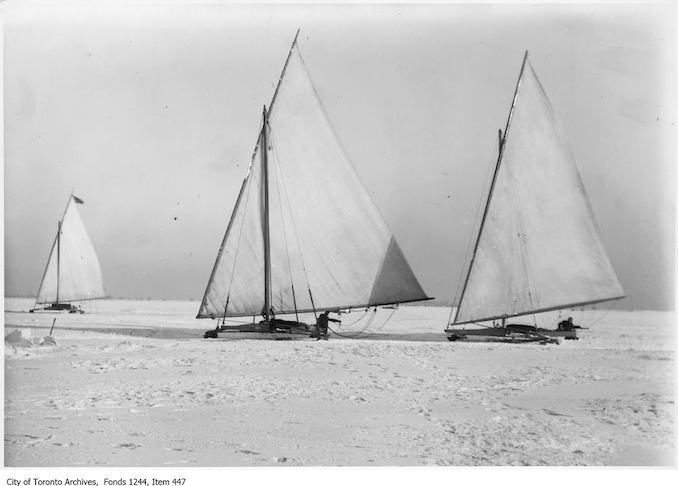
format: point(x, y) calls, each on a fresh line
point(151, 113)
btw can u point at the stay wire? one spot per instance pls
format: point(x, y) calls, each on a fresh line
point(296, 236)
point(237, 245)
point(472, 237)
point(280, 182)
point(357, 334)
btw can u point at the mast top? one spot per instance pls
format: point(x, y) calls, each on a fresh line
point(282, 74)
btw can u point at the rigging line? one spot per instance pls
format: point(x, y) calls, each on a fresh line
point(471, 239)
point(612, 304)
point(385, 322)
point(279, 180)
point(296, 236)
point(359, 318)
point(275, 94)
point(357, 334)
point(237, 245)
point(494, 179)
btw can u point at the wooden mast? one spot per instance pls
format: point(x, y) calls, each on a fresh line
point(502, 142)
point(266, 222)
point(264, 163)
point(58, 258)
point(70, 199)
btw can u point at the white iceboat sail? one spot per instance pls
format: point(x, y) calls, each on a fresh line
point(73, 272)
point(538, 247)
point(304, 234)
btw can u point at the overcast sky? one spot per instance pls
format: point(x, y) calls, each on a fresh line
point(151, 114)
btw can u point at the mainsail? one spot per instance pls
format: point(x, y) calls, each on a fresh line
point(304, 221)
point(538, 247)
point(73, 272)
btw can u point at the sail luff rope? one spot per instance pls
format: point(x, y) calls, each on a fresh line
point(275, 94)
point(282, 74)
point(494, 180)
point(227, 233)
point(471, 238)
point(237, 245)
point(42, 280)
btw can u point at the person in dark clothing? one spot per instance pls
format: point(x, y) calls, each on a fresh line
point(323, 322)
point(567, 325)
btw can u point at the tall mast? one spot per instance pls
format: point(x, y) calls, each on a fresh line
point(264, 163)
point(502, 143)
point(70, 198)
point(266, 225)
point(58, 258)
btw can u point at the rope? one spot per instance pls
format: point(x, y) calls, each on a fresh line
point(237, 246)
point(358, 333)
point(361, 334)
point(471, 238)
point(385, 322)
point(359, 318)
point(296, 236)
point(280, 181)
point(614, 302)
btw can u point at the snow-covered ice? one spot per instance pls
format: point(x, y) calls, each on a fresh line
point(133, 383)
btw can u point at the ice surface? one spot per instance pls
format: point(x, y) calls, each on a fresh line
point(133, 383)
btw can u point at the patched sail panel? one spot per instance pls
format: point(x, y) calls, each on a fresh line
point(327, 236)
point(78, 273)
point(539, 248)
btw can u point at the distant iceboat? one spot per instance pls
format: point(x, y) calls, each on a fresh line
point(73, 273)
point(304, 235)
point(538, 247)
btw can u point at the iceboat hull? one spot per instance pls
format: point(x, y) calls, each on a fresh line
point(267, 329)
point(512, 333)
point(60, 307)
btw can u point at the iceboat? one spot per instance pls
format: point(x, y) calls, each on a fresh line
point(73, 272)
point(538, 247)
point(304, 236)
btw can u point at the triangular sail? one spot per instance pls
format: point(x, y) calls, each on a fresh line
point(539, 248)
point(328, 241)
point(77, 271)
